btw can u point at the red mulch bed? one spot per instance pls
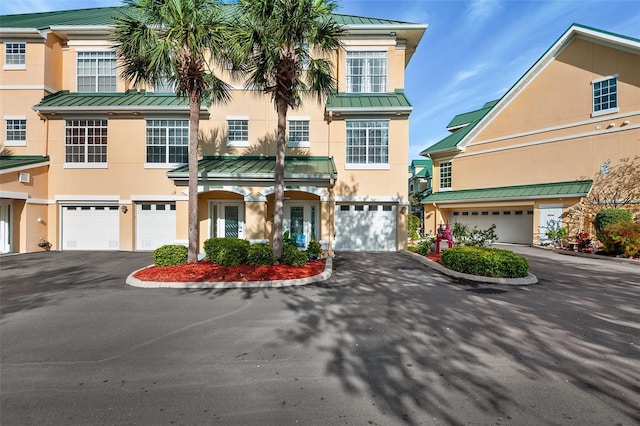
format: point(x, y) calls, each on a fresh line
point(434, 257)
point(206, 271)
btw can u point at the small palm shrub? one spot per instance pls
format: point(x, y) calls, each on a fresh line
point(170, 255)
point(314, 249)
point(487, 262)
point(226, 251)
point(260, 254)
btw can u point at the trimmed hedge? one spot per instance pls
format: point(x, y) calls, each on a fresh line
point(292, 256)
point(260, 254)
point(484, 261)
point(226, 251)
point(170, 255)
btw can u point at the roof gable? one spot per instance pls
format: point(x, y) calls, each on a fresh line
point(470, 124)
point(574, 32)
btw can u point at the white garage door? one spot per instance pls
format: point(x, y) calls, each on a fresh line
point(155, 225)
point(366, 227)
point(512, 226)
point(90, 228)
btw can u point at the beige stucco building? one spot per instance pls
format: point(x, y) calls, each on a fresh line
point(91, 163)
point(526, 159)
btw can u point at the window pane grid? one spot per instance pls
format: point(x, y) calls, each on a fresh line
point(96, 72)
point(86, 141)
point(366, 72)
point(167, 141)
point(605, 94)
point(445, 175)
point(299, 131)
point(367, 142)
point(238, 131)
point(17, 130)
point(15, 53)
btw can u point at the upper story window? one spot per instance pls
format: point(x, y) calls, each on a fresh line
point(167, 141)
point(15, 55)
point(445, 175)
point(299, 133)
point(16, 131)
point(238, 132)
point(164, 86)
point(96, 72)
point(367, 143)
point(605, 95)
point(86, 143)
point(366, 72)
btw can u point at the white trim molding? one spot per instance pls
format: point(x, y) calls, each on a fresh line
point(14, 195)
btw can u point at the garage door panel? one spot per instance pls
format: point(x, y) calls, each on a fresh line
point(512, 226)
point(90, 228)
point(366, 227)
point(155, 225)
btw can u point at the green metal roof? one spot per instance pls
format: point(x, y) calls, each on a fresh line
point(470, 117)
point(80, 17)
point(450, 142)
point(243, 169)
point(421, 162)
point(104, 15)
point(578, 188)
point(131, 100)
point(9, 163)
point(395, 102)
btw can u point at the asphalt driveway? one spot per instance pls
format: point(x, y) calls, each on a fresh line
point(385, 341)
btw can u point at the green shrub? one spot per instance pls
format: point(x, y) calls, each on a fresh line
point(608, 217)
point(413, 249)
point(292, 256)
point(413, 225)
point(314, 249)
point(424, 246)
point(170, 255)
point(226, 251)
point(465, 236)
point(623, 238)
point(260, 254)
point(487, 262)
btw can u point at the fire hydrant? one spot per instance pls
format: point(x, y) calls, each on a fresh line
point(443, 234)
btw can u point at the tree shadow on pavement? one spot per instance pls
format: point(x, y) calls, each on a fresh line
point(411, 351)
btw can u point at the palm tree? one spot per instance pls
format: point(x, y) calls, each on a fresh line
point(272, 43)
point(176, 40)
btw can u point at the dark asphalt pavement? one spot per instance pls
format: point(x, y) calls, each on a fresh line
point(385, 341)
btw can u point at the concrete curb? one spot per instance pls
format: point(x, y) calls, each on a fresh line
point(328, 268)
point(590, 256)
point(528, 280)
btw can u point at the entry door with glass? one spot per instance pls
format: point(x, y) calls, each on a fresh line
point(301, 221)
point(227, 220)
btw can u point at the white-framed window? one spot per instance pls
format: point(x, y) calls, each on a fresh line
point(605, 95)
point(366, 71)
point(167, 142)
point(238, 132)
point(16, 131)
point(86, 143)
point(299, 133)
point(445, 176)
point(15, 55)
point(164, 86)
point(96, 72)
point(367, 143)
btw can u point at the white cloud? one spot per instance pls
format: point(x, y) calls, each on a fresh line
point(481, 10)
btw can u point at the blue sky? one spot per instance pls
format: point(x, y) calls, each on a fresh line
point(472, 52)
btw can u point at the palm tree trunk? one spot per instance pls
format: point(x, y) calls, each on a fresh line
point(281, 143)
point(194, 125)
